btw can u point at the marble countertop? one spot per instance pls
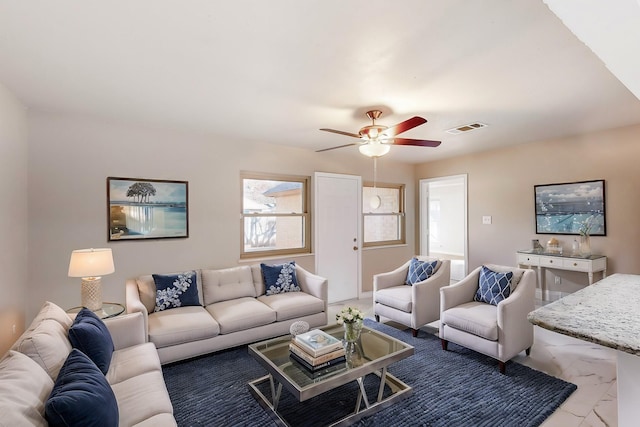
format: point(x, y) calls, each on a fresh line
point(606, 313)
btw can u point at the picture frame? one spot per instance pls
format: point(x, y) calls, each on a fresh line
point(144, 209)
point(571, 208)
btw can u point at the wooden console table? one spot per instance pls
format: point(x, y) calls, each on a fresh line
point(542, 261)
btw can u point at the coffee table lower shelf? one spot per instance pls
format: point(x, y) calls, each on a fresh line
point(399, 391)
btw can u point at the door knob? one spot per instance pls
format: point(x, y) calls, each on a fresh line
point(355, 248)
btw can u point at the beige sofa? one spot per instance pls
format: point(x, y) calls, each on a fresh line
point(28, 371)
point(234, 311)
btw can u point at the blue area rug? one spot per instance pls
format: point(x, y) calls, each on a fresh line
point(451, 388)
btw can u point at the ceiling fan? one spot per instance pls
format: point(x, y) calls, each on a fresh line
point(376, 139)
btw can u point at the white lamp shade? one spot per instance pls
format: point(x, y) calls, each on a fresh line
point(374, 149)
point(91, 263)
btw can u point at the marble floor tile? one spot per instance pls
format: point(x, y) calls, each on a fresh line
point(590, 366)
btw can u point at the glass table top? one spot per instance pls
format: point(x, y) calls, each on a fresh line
point(109, 309)
point(560, 255)
point(374, 351)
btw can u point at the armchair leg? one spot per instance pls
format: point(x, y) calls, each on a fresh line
point(377, 318)
point(502, 366)
point(528, 351)
point(445, 344)
point(414, 332)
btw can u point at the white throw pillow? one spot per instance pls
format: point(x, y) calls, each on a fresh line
point(47, 345)
point(24, 387)
point(50, 310)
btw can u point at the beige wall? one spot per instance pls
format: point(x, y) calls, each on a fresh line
point(13, 218)
point(70, 158)
point(501, 185)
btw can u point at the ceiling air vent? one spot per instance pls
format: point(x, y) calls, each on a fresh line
point(466, 128)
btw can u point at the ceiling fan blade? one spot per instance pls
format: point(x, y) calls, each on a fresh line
point(340, 132)
point(404, 126)
point(339, 146)
point(416, 142)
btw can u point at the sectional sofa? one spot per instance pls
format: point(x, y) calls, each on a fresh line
point(43, 356)
point(232, 309)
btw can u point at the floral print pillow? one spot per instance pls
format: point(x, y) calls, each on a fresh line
point(280, 278)
point(176, 290)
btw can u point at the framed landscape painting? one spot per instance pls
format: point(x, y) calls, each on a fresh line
point(147, 209)
point(571, 208)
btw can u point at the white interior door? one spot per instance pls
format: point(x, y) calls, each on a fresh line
point(443, 221)
point(337, 219)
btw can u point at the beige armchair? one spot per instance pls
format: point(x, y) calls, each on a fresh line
point(411, 305)
point(500, 331)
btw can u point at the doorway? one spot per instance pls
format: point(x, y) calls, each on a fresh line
point(443, 221)
point(337, 231)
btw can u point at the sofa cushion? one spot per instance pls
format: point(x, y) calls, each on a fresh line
point(476, 318)
point(293, 304)
point(398, 297)
point(176, 290)
point(90, 335)
point(81, 395)
point(180, 325)
point(280, 278)
point(50, 310)
point(24, 387)
point(226, 284)
point(241, 314)
point(420, 271)
point(164, 419)
point(47, 344)
point(132, 361)
point(493, 286)
point(143, 397)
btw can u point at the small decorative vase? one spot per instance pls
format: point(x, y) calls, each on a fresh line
point(585, 245)
point(352, 331)
point(352, 350)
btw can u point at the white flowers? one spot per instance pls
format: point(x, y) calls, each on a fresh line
point(349, 315)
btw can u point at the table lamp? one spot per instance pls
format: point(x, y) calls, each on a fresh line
point(91, 264)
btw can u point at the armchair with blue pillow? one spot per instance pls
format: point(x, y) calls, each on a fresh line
point(487, 312)
point(410, 294)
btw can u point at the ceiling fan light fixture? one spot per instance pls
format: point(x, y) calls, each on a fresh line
point(374, 149)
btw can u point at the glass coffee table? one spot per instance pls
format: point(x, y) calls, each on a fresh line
point(375, 351)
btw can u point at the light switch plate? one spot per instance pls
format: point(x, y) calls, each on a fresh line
point(486, 219)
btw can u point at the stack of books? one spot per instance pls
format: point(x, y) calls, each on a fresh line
point(317, 352)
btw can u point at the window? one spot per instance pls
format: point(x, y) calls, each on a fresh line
point(383, 224)
point(275, 215)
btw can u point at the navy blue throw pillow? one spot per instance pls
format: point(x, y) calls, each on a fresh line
point(280, 278)
point(176, 290)
point(90, 335)
point(81, 396)
point(420, 271)
point(493, 286)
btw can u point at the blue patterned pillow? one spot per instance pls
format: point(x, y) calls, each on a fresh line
point(420, 271)
point(90, 335)
point(280, 278)
point(81, 395)
point(493, 286)
point(176, 290)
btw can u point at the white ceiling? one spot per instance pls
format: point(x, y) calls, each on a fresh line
point(278, 70)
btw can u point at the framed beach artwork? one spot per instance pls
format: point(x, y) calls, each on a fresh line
point(141, 209)
point(571, 208)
